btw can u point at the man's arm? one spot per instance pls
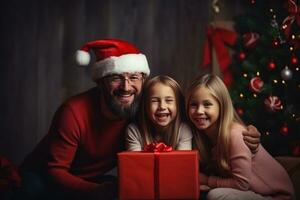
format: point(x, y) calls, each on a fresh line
point(252, 138)
point(64, 141)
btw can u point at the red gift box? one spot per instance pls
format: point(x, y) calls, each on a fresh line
point(159, 175)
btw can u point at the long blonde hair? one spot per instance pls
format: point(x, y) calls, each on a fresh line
point(145, 124)
point(227, 116)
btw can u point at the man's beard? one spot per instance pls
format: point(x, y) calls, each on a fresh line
point(122, 111)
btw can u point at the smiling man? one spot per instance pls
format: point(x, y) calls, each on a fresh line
point(87, 131)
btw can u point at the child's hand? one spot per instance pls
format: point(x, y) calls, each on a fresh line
point(252, 138)
point(203, 179)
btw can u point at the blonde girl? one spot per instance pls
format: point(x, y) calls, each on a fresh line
point(228, 169)
point(160, 117)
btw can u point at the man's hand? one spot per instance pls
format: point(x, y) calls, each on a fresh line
point(252, 138)
point(203, 179)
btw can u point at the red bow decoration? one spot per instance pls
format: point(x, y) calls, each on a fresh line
point(218, 38)
point(157, 147)
point(294, 11)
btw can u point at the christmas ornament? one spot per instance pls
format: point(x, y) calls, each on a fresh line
point(250, 39)
point(240, 111)
point(256, 84)
point(284, 130)
point(272, 103)
point(294, 60)
point(241, 56)
point(271, 65)
point(286, 74)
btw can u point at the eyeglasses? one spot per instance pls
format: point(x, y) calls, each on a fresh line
point(117, 79)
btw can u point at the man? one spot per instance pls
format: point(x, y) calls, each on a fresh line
point(87, 130)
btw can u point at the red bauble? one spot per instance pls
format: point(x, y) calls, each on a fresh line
point(284, 130)
point(271, 65)
point(240, 111)
point(272, 103)
point(256, 84)
point(250, 39)
point(294, 60)
point(241, 56)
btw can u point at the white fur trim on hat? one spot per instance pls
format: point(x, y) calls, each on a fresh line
point(116, 65)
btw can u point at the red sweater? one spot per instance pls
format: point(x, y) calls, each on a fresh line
point(81, 144)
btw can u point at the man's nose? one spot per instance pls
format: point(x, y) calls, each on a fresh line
point(125, 85)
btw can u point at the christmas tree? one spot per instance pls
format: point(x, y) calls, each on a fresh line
point(265, 67)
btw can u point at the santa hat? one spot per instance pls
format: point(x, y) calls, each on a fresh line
point(113, 56)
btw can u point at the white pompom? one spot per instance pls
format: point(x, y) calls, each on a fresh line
point(82, 58)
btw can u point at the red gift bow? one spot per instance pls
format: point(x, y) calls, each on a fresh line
point(294, 11)
point(157, 147)
point(218, 38)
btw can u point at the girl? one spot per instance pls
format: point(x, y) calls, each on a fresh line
point(226, 161)
point(160, 117)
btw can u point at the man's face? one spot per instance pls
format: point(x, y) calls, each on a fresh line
point(122, 92)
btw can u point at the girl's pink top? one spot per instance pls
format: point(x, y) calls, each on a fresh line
point(258, 172)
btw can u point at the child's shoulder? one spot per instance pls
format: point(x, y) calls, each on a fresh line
point(132, 131)
point(185, 130)
point(236, 125)
point(236, 129)
point(132, 127)
point(184, 125)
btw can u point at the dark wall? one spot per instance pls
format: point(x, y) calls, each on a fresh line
point(39, 39)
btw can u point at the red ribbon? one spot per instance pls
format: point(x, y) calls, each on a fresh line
point(218, 38)
point(157, 147)
point(294, 11)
